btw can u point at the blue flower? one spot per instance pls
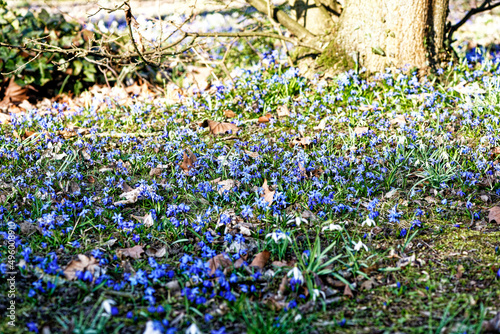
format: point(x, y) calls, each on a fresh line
point(32, 327)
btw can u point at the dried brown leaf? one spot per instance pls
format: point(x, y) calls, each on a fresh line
point(156, 251)
point(226, 185)
point(219, 261)
point(84, 263)
point(493, 325)
point(130, 196)
point(303, 141)
point(15, 93)
point(260, 259)
point(348, 291)
point(400, 119)
point(199, 76)
point(4, 118)
point(322, 124)
point(155, 171)
point(283, 111)
point(27, 228)
point(217, 128)
point(361, 130)
point(283, 286)
point(251, 154)
point(365, 108)
point(188, 161)
point(281, 264)
point(229, 113)
point(369, 284)
point(133, 252)
point(268, 194)
point(494, 215)
point(265, 119)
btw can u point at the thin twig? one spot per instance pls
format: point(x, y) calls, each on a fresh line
point(485, 6)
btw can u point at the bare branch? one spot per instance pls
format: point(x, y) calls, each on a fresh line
point(485, 6)
point(280, 16)
point(128, 18)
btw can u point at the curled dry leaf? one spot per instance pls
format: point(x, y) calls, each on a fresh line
point(493, 325)
point(316, 172)
point(156, 251)
point(251, 154)
point(283, 111)
point(226, 184)
point(268, 194)
point(368, 285)
point(199, 76)
point(366, 108)
point(155, 171)
point(241, 261)
point(283, 286)
point(400, 119)
point(217, 128)
point(348, 291)
point(219, 261)
point(133, 252)
point(494, 215)
point(147, 220)
point(361, 130)
point(27, 228)
point(265, 119)
point(130, 196)
point(4, 118)
point(403, 262)
point(175, 95)
point(303, 141)
point(14, 93)
point(260, 260)
point(84, 263)
point(229, 113)
point(322, 124)
point(188, 161)
point(464, 88)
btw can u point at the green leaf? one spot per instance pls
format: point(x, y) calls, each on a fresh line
point(77, 67)
point(378, 51)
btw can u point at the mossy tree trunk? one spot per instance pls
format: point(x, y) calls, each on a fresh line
point(393, 33)
point(376, 34)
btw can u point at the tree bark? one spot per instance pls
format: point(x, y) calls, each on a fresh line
point(312, 15)
point(375, 34)
point(392, 33)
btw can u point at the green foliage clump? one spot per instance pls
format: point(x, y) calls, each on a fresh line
point(32, 30)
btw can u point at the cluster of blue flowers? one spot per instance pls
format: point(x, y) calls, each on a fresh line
point(66, 192)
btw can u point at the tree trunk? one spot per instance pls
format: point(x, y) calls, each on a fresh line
point(392, 33)
point(312, 15)
point(375, 34)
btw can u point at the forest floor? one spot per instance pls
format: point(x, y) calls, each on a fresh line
point(271, 204)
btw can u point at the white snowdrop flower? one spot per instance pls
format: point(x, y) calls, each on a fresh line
point(277, 236)
point(332, 227)
point(107, 304)
point(358, 245)
point(151, 329)
point(297, 275)
point(369, 222)
point(297, 318)
point(316, 293)
point(193, 329)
